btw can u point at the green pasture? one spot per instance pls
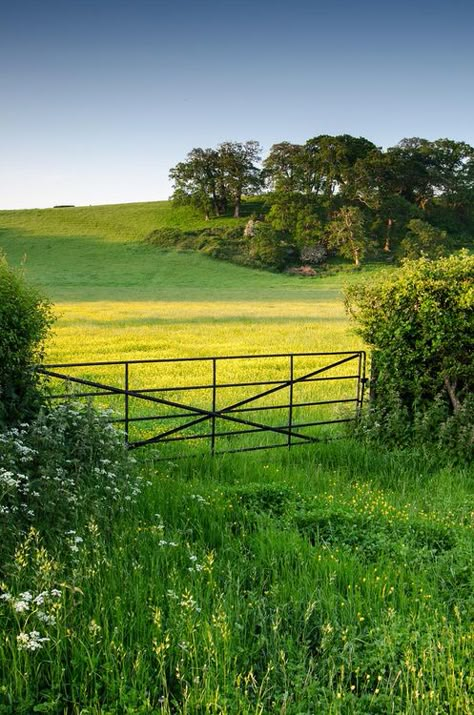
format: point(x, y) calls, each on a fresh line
point(325, 579)
point(130, 300)
point(117, 298)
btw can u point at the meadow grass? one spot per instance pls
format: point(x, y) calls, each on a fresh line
point(335, 581)
point(324, 579)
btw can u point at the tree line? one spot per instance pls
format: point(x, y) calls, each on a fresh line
point(341, 192)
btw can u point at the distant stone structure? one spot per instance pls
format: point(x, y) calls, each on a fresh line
point(249, 230)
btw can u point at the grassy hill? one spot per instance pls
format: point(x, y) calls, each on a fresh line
point(117, 222)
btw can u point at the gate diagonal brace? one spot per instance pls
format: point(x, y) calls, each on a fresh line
point(223, 412)
point(204, 414)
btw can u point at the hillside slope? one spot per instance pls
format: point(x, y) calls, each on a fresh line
point(126, 298)
point(116, 222)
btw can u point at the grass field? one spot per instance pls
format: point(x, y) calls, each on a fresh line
point(329, 579)
point(99, 274)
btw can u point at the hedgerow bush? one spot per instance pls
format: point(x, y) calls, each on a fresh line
point(420, 325)
point(169, 237)
point(271, 249)
point(265, 248)
point(64, 468)
point(25, 320)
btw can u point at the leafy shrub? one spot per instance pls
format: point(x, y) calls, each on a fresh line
point(273, 499)
point(422, 239)
point(420, 323)
point(65, 467)
point(170, 238)
point(269, 248)
point(315, 253)
point(456, 433)
point(25, 319)
point(227, 244)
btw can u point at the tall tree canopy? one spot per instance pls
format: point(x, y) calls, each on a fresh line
point(406, 199)
point(210, 179)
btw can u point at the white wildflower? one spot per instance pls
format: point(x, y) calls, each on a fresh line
point(46, 618)
point(30, 641)
point(39, 599)
point(21, 606)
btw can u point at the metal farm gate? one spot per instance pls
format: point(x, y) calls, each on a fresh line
point(234, 403)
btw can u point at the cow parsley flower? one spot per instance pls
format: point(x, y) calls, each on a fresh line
point(30, 641)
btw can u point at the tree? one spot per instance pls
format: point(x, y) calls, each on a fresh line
point(25, 319)
point(331, 160)
point(240, 175)
point(411, 164)
point(284, 168)
point(419, 322)
point(452, 171)
point(268, 248)
point(309, 229)
point(394, 213)
point(347, 234)
point(376, 185)
point(198, 181)
point(211, 178)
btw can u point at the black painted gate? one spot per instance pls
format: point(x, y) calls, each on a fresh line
point(234, 403)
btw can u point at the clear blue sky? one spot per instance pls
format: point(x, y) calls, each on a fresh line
point(100, 98)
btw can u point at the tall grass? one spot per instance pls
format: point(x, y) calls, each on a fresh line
point(309, 583)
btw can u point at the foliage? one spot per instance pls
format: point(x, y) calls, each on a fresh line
point(268, 248)
point(240, 171)
point(25, 319)
point(58, 471)
point(265, 248)
point(310, 184)
point(346, 233)
point(422, 239)
point(322, 166)
point(420, 324)
point(314, 254)
point(416, 179)
point(167, 237)
point(198, 181)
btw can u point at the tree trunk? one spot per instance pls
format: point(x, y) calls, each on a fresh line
point(237, 208)
point(451, 390)
point(355, 251)
point(387, 247)
point(222, 206)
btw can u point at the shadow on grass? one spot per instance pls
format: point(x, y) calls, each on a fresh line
point(89, 268)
